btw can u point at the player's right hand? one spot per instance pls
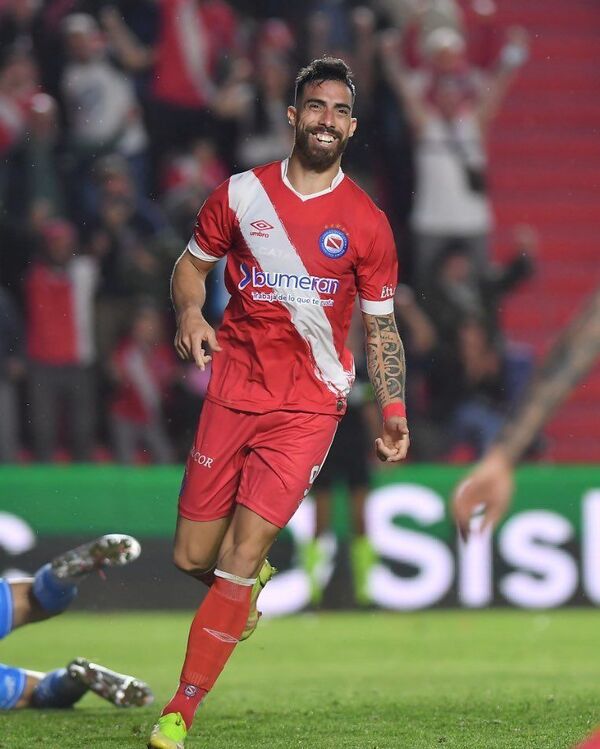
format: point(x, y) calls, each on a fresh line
point(193, 335)
point(489, 486)
point(392, 446)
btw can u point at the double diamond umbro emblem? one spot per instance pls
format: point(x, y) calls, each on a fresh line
point(261, 227)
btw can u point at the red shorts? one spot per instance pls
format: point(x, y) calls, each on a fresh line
point(266, 462)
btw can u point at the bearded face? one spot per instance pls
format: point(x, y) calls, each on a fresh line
point(319, 147)
point(323, 124)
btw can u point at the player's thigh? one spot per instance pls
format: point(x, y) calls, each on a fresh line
point(214, 464)
point(197, 543)
point(246, 543)
point(283, 464)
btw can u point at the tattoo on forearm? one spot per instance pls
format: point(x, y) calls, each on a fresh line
point(569, 360)
point(385, 358)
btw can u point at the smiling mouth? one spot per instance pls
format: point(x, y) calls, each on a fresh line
point(325, 138)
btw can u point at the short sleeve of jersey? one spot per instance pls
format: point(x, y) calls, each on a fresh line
point(214, 224)
point(377, 271)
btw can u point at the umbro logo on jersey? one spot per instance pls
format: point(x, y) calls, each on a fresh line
point(333, 242)
point(260, 228)
point(276, 280)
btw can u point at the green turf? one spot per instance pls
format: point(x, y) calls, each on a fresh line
point(472, 680)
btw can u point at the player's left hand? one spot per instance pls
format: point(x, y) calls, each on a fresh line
point(392, 446)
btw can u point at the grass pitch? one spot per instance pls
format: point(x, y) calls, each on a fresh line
point(475, 680)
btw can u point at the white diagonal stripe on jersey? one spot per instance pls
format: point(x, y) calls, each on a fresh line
point(276, 254)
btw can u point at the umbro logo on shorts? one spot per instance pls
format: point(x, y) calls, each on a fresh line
point(223, 636)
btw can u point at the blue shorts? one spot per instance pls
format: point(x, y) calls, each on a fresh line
point(6, 608)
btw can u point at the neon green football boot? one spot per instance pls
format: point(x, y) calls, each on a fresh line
point(314, 559)
point(363, 558)
point(266, 573)
point(168, 733)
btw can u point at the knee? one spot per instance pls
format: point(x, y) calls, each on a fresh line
point(193, 564)
point(243, 558)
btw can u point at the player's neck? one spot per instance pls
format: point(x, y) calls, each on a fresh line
point(308, 182)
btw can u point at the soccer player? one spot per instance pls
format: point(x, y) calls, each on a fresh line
point(47, 594)
point(490, 484)
point(301, 240)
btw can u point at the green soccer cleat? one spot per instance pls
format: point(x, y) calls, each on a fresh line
point(314, 559)
point(266, 573)
point(168, 733)
point(113, 550)
point(317, 558)
point(364, 558)
point(119, 689)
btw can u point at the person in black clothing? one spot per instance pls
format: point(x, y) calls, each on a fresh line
point(473, 375)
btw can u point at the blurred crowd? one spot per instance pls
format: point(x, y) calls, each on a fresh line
point(118, 118)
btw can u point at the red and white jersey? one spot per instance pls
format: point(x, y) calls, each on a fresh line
point(60, 312)
point(294, 266)
point(194, 37)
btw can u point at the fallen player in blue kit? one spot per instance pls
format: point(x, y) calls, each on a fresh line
point(47, 594)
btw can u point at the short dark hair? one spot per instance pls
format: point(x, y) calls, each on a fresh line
point(324, 69)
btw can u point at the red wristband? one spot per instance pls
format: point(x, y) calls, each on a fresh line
point(394, 409)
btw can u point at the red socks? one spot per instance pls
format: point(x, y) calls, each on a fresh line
point(186, 701)
point(214, 633)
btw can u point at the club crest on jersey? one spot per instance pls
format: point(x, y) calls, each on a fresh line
point(333, 242)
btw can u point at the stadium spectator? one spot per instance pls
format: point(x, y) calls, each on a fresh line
point(264, 134)
point(476, 20)
point(102, 111)
point(473, 384)
point(59, 300)
point(456, 289)
point(143, 369)
point(17, 19)
point(363, 57)
point(328, 29)
point(36, 167)
point(189, 177)
point(131, 30)
point(51, 591)
point(11, 369)
point(32, 27)
point(196, 52)
point(449, 109)
point(132, 255)
point(18, 84)
point(113, 178)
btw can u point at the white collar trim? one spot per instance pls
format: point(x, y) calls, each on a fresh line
point(334, 183)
